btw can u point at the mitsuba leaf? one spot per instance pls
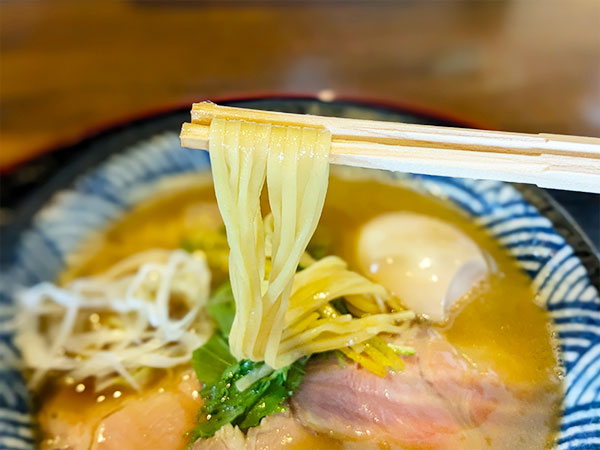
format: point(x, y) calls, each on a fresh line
point(219, 371)
point(225, 404)
point(212, 359)
point(221, 306)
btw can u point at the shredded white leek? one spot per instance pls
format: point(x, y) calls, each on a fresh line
point(111, 325)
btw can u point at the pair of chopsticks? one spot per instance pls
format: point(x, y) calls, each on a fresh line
point(551, 161)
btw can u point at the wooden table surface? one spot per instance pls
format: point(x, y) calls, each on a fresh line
point(520, 65)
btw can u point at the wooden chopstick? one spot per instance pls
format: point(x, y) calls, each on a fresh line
point(551, 161)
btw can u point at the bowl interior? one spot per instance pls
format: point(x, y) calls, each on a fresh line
point(104, 176)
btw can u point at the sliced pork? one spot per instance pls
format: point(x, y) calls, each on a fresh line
point(279, 431)
point(157, 419)
point(440, 401)
point(437, 402)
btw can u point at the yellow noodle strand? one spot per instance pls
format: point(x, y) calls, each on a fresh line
point(282, 315)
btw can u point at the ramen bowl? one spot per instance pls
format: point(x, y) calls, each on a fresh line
point(106, 175)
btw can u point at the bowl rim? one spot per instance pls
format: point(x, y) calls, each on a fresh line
point(24, 213)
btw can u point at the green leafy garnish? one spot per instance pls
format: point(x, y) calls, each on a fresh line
point(224, 401)
point(212, 359)
point(225, 404)
point(221, 306)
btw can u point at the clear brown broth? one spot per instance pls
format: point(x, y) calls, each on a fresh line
point(498, 326)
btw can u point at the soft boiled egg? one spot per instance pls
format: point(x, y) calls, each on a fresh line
point(425, 262)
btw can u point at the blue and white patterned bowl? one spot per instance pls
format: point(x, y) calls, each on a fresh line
point(113, 185)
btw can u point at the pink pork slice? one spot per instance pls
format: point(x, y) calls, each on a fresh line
point(158, 419)
point(279, 431)
point(435, 403)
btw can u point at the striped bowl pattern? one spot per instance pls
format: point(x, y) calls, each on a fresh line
point(558, 276)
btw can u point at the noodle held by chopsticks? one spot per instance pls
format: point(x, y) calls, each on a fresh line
point(269, 325)
point(294, 163)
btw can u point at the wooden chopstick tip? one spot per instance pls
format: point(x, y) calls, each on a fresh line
point(194, 136)
point(185, 130)
point(203, 112)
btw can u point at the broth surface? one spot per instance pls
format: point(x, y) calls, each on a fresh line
point(497, 326)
